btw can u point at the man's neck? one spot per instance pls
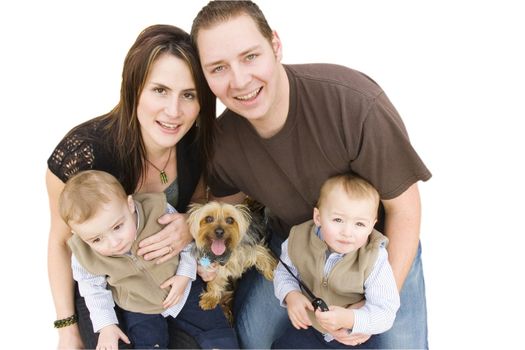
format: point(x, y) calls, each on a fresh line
point(274, 121)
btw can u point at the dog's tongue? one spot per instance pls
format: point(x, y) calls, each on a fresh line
point(218, 247)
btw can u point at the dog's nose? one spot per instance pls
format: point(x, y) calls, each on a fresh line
point(219, 232)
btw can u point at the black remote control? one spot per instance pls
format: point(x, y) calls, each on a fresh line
point(319, 303)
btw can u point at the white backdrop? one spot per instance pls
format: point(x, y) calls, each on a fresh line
point(454, 70)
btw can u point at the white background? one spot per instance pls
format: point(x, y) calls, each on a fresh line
point(454, 70)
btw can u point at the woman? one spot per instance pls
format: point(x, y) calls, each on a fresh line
point(151, 143)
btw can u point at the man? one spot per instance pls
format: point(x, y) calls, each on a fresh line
point(288, 128)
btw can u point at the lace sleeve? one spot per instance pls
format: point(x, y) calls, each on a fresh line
point(72, 155)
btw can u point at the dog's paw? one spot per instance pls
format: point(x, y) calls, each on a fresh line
point(268, 274)
point(208, 302)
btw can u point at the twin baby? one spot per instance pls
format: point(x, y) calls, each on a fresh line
point(338, 254)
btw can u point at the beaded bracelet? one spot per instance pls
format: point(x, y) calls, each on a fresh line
point(66, 321)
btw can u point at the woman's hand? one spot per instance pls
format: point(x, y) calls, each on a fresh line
point(69, 338)
point(168, 242)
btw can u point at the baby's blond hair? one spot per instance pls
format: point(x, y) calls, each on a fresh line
point(86, 192)
point(354, 186)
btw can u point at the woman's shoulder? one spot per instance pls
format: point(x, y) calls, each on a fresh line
point(76, 151)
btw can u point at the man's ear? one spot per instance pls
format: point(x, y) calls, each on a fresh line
point(317, 217)
point(277, 46)
point(131, 204)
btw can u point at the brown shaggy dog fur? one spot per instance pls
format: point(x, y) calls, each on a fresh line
point(223, 235)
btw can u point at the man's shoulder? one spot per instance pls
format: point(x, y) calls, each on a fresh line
point(335, 75)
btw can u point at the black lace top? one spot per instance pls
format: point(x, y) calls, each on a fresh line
point(89, 148)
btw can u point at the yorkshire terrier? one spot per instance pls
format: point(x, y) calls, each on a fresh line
point(227, 237)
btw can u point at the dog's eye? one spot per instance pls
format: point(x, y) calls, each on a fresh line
point(209, 219)
point(229, 220)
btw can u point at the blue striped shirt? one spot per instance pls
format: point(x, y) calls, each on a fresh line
point(381, 294)
point(99, 300)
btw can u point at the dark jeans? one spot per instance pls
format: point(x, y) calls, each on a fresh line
point(146, 331)
point(193, 328)
point(306, 339)
point(209, 328)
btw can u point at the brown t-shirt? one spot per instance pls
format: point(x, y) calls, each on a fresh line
point(339, 120)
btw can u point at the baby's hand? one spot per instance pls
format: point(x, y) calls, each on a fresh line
point(207, 270)
point(178, 285)
point(334, 318)
point(109, 336)
point(297, 304)
point(349, 338)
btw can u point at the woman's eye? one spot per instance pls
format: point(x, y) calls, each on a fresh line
point(189, 96)
point(229, 220)
point(337, 220)
point(360, 224)
point(251, 57)
point(159, 90)
point(208, 219)
point(96, 240)
point(118, 227)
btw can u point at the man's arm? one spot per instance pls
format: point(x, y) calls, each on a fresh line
point(402, 226)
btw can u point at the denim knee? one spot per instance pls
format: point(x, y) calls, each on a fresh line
point(410, 327)
point(259, 319)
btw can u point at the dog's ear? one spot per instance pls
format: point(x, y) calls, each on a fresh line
point(194, 207)
point(244, 217)
point(194, 218)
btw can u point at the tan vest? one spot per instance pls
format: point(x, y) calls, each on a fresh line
point(134, 282)
point(344, 285)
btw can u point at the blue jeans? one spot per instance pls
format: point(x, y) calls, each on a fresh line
point(410, 327)
point(209, 328)
point(146, 331)
point(260, 319)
